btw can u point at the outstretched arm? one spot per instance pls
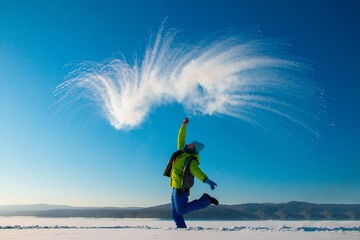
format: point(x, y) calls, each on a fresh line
point(182, 133)
point(196, 171)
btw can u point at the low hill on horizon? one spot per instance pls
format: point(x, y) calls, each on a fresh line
point(249, 211)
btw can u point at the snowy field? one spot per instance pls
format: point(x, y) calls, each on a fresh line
point(32, 228)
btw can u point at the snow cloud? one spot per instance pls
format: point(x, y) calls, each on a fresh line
point(225, 76)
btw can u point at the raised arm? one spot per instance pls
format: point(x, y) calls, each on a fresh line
point(182, 133)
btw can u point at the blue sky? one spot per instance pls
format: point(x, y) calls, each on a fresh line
point(77, 158)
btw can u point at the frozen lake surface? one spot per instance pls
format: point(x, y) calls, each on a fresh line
point(32, 228)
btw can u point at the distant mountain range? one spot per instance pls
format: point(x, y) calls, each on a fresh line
point(250, 211)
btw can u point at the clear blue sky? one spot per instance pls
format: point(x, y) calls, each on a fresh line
point(80, 159)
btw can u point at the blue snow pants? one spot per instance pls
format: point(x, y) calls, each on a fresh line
point(181, 206)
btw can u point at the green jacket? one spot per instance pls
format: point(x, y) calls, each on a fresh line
point(179, 164)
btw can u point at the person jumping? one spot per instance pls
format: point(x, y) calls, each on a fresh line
point(182, 167)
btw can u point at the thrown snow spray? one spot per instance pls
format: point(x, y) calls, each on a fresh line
point(254, 81)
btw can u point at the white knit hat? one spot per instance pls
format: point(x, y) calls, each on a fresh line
point(198, 146)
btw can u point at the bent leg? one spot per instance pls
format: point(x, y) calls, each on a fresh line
point(183, 207)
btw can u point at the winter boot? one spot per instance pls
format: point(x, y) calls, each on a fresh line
point(212, 200)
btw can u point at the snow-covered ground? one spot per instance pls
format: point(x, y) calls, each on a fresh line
point(32, 228)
